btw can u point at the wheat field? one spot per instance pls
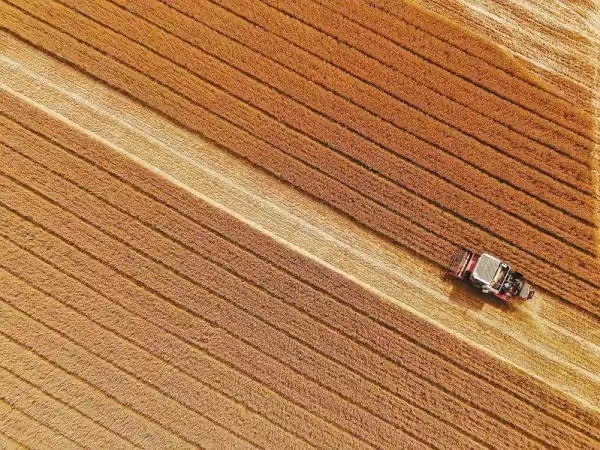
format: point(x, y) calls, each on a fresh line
point(226, 224)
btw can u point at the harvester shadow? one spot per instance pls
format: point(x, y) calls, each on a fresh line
point(468, 296)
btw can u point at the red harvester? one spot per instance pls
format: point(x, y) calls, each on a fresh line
point(491, 275)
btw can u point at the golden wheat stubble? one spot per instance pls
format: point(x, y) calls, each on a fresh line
point(203, 342)
point(220, 247)
point(290, 260)
point(50, 412)
point(247, 146)
point(377, 75)
point(579, 264)
point(341, 138)
point(514, 89)
point(256, 269)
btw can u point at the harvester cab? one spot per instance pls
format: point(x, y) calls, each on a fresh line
point(491, 275)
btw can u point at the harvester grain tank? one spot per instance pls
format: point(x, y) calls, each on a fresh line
point(491, 275)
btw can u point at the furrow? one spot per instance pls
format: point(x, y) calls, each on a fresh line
point(400, 23)
point(247, 146)
point(19, 426)
point(199, 267)
point(84, 397)
point(336, 135)
point(505, 112)
point(554, 251)
point(302, 268)
point(53, 414)
point(389, 94)
point(164, 377)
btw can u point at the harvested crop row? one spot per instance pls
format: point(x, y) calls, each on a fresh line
point(26, 431)
point(87, 399)
point(358, 51)
point(315, 335)
point(244, 428)
point(216, 220)
point(63, 419)
point(129, 200)
point(176, 333)
point(281, 165)
point(556, 252)
point(529, 96)
point(62, 351)
point(338, 136)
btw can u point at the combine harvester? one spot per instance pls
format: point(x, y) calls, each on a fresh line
point(491, 275)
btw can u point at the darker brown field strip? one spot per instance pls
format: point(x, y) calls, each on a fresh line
point(247, 146)
point(196, 263)
point(530, 97)
point(315, 69)
point(337, 135)
point(354, 90)
point(581, 266)
point(90, 149)
point(326, 34)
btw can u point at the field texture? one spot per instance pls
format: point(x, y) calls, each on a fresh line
point(225, 224)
